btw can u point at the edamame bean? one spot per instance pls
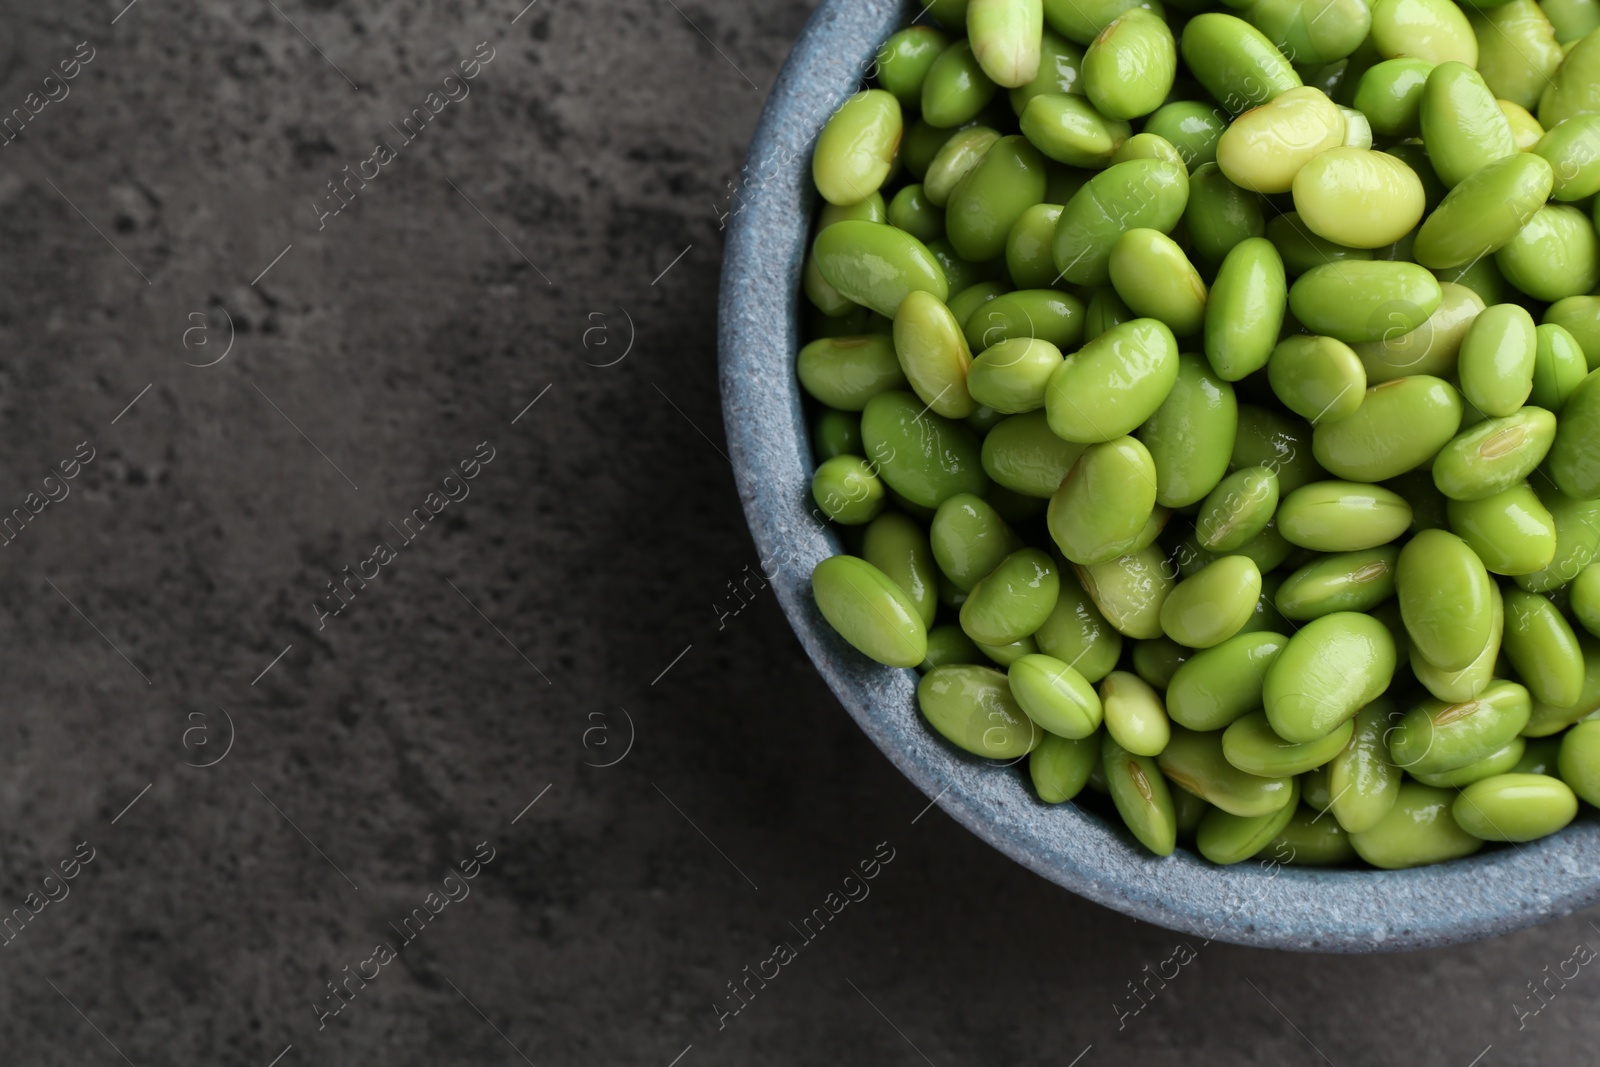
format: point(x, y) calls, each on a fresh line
point(1276, 440)
point(848, 490)
point(1129, 67)
point(1046, 314)
point(847, 372)
point(1433, 30)
point(1525, 129)
point(1572, 19)
point(1006, 37)
point(1060, 766)
point(1307, 841)
point(1082, 20)
point(1190, 435)
point(1013, 600)
point(1329, 670)
point(1342, 516)
point(933, 354)
point(1129, 591)
point(1431, 348)
point(1192, 127)
point(857, 147)
point(1586, 598)
point(1156, 280)
point(955, 158)
point(1302, 250)
point(1349, 581)
point(1105, 310)
point(1485, 211)
point(972, 708)
point(876, 265)
point(1069, 130)
point(1579, 316)
point(1574, 89)
point(1219, 214)
point(1113, 383)
point(1237, 510)
point(1444, 598)
point(1462, 125)
point(1400, 425)
point(1558, 366)
point(1572, 149)
point(1579, 762)
point(1496, 361)
point(898, 546)
point(1158, 660)
point(1141, 797)
point(991, 197)
point(1235, 62)
point(1434, 736)
point(904, 61)
point(1022, 455)
point(1250, 745)
point(1500, 762)
point(1515, 807)
point(1060, 70)
point(1215, 686)
point(1358, 300)
point(1312, 33)
point(1542, 649)
point(1555, 255)
point(1357, 197)
point(1104, 502)
point(1245, 311)
point(924, 457)
point(1517, 50)
point(1494, 455)
point(1195, 762)
point(1078, 635)
point(1134, 715)
point(1511, 531)
point(1577, 539)
point(913, 212)
point(1029, 259)
point(1224, 838)
point(1056, 696)
point(1012, 376)
point(1465, 684)
point(969, 539)
point(1264, 149)
point(870, 611)
point(1363, 783)
point(948, 646)
point(1389, 94)
point(1319, 378)
point(966, 302)
point(1214, 604)
point(955, 88)
point(1140, 192)
point(1575, 455)
point(835, 433)
point(1418, 830)
point(1006, 655)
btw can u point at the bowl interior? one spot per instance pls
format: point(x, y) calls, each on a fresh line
point(1259, 902)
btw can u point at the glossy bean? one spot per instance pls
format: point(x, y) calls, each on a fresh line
point(1400, 425)
point(973, 708)
point(870, 611)
point(1330, 669)
point(1418, 830)
point(1435, 736)
point(1103, 504)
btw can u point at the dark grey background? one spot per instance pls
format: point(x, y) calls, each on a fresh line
point(567, 608)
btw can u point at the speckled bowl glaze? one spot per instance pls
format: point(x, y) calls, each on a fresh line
point(1252, 903)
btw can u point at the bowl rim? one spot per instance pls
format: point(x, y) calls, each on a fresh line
point(1264, 904)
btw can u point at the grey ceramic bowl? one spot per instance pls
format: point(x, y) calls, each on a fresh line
point(1251, 903)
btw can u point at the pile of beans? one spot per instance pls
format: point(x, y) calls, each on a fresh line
point(1207, 402)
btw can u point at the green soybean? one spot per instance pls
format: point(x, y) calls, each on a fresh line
point(1572, 148)
point(1363, 782)
point(1012, 376)
point(1330, 669)
point(1444, 598)
point(1244, 313)
point(1465, 684)
point(1113, 383)
point(1494, 455)
point(969, 539)
point(1342, 516)
point(933, 354)
point(991, 197)
point(1517, 50)
point(836, 433)
point(1156, 280)
point(1515, 807)
point(913, 212)
point(1141, 797)
point(1418, 830)
point(1029, 259)
point(1349, 581)
point(948, 646)
point(1436, 736)
point(1235, 62)
point(1129, 66)
point(1007, 654)
point(1192, 127)
point(1302, 250)
point(1148, 193)
point(1496, 360)
point(1579, 762)
point(1542, 649)
point(1215, 686)
point(1069, 130)
point(1130, 590)
point(1006, 36)
point(904, 60)
point(1134, 715)
point(1357, 197)
point(1060, 70)
point(955, 88)
point(924, 457)
point(1500, 762)
point(1573, 90)
point(1077, 634)
point(1046, 314)
point(1389, 94)
point(1555, 255)
point(1369, 300)
point(857, 147)
point(1190, 435)
point(1586, 598)
point(1577, 525)
point(1219, 214)
point(898, 546)
point(1158, 660)
point(1103, 504)
point(877, 265)
point(1400, 425)
point(1013, 600)
point(1309, 841)
point(1022, 455)
point(1250, 745)
point(1226, 838)
point(973, 708)
point(1318, 378)
point(847, 372)
point(1511, 531)
point(1312, 32)
point(848, 490)
point(1060, 766)
point(1195, 762)
point(1558, 366)
point(870, 611)
point(954, 160)
point(1055, 696)
point(1214, 604)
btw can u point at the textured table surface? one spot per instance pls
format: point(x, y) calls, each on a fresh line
point(273, 797)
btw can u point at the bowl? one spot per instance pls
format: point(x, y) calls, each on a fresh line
point(1257, 902)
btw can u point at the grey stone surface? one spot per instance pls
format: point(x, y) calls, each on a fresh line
point(391, 741)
